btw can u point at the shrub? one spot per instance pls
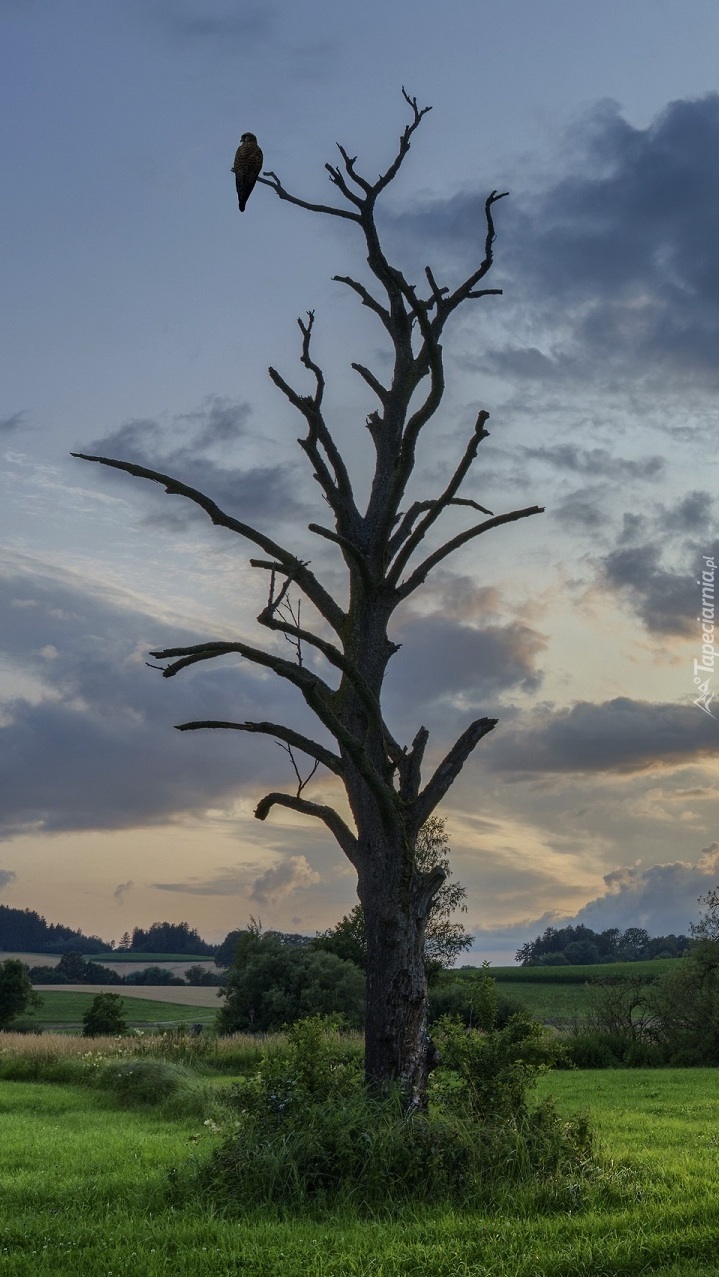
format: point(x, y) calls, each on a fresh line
point(16, 991)
point(24, 1024)
point(470, 1001)
point(105, 1014)
point(591, 1051)
point(309, 1134)
point(273, 984)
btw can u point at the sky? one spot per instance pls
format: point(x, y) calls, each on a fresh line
point(140, 312)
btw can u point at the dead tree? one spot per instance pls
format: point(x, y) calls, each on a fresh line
point(382, 552)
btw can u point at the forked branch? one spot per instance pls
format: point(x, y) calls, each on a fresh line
point(328, 815)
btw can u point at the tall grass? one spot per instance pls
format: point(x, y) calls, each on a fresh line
point(68, 1057)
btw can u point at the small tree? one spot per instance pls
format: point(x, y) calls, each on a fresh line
point(381, 546)
point(105, 1015)
point(16, 991)
point(272, 984)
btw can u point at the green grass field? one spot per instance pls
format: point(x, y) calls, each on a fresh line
point(65, 1010)
point(570, 974)
point(147, 959)
point(556, 1004)
point(84, 1187)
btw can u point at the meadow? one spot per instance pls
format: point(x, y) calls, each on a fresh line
point(92, 1187)
point(145, 1007)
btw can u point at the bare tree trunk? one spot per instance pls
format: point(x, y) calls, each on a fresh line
point(397, 1042)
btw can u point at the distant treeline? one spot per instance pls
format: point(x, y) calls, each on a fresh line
point(74, 969)
point(167, 937)
point(581, 946)
point(25, 931)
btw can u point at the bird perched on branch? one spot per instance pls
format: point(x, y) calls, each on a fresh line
point(246, 168)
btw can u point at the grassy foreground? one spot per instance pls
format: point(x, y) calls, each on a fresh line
point(84, 1190)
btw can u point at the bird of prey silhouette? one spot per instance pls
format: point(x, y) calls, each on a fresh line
point(246, 168)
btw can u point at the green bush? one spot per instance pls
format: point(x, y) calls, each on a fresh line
point(592, 1051)
point(24, 1024)
point(16, 991)
point(272, 984)
point(308, 1134)
point(475, 1002)
point(105, 1015)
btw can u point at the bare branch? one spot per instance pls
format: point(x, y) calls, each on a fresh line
point(350, 162)
point(351, 551)
point(420, 573)
point(308, 746)
point(331, 818)
point(367, 298)
point(381, 391)
point(410, 765)
point(448, 770)
point(306, 580)
point(301, 784)
point(404, 142)
point(413, 539)
point(271, 179)
point(338, 179)
point(311, 685)
point(336, 486)
point(465, 290)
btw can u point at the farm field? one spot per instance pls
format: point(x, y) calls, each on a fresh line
point(144, 1004)
point(86, 1191)
point(122, 963)
point(555, 1004)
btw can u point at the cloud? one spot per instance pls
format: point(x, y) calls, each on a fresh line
point(656, 561)
point(443, 659)
point(615, 267)
point(16, 421)
point(243, 25)
point(228, 882)
point(93, 746)
point(6, 877)
point(628, 240)
point(183, 449)
point(596, 462)
point(121, 890)
point(662, 898)
point(620, 735)
point(295, 874)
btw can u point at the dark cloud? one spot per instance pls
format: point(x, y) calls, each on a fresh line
point(16, 421)
point(617, 263)
point(656, 561)
point(122, 889)
point(96, 749)
point(244, 25)
point(441, 658)
point(585, 509)
point(184, 448)
point(6, 877)
point(598, 463)
point(629, 239)
point(621, 735)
